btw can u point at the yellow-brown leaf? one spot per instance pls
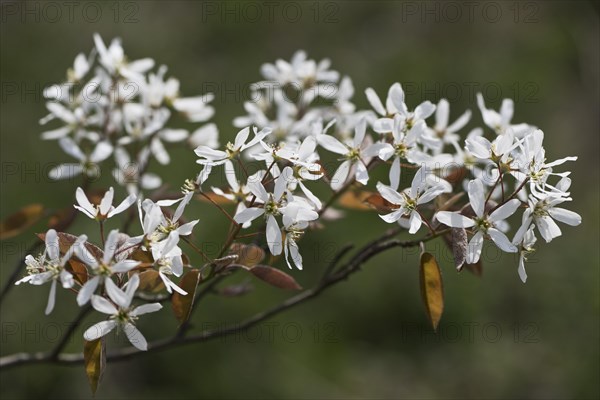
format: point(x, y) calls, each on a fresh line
point(94, 355)
point(432, 289)
point(24, 218)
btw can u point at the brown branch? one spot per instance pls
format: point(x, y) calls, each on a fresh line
point(353, 265)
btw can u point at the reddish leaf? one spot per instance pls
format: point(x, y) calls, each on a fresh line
point(79, 271)
point(182, 305)
point(275, 277)
point(61, 219)
point(355, 200)
point(150, 281)
point(66, 240)
point(380, 204)
point(24, 218)
point(248, 254)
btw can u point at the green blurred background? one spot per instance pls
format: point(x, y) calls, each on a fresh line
point(368, 337)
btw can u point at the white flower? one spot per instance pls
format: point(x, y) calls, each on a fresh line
point(122, 315)
point(272, 205)
point(403, 146)
point(395, 105)
point(105, 209)
point(304, 166)
point(50, 267)
point(295, 221)
point(532, 164)
point(543, 213)
point(481, 223)
point(167, 256)
point(500, 121)
point(114, 60)
point(196, 109)
point(129, 173)
point(170, 224)
point(207, 135)
point(424, 188)
point(87, 164)
point(105, 268)
point(352, 153)
point(212, 157)
point(238, 192)
point(444, 131)
point(525, 248)
point(395, 91)
point(300, 71)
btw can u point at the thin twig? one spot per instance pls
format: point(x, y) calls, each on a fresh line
point(363, 255)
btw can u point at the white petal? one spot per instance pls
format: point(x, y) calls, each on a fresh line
point(106, 202)
point(424, 110)
point(159, 151)
point(71, 148)
point(477, 197)
point(340, 176)
point(115, 294)
point(124, 266)
point(88, 289)
point(65, 171)
point(241, 137)
point(396, 97)
point(548, 228)
point(474, 248)
point(273, 236)
point(359, 133)
point(102, 305)
point(135, 337)
point(100, 329)
point(505, 210)
point(145, 309)
point(186, 229)
point(83, 201)
point(125, 204)
point(102, 151)
point(442, 113)
point(249, 214)
point(389, 194)
point(52, 244)
point(56, 133)
point(375, 102)
point(565, 216)
point(110, 246)
point(415, 222)
point(332, 144)
point(395, 173)
point(454, 219)
point(501, 240)
point(521, 269)
point(258, 190)
point(51, 298)
point(362, 174)
point(393, 216)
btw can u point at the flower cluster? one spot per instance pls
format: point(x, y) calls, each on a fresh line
point(111, 106)
point(285, 148)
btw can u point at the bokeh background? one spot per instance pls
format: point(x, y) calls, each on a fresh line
point(368, 337)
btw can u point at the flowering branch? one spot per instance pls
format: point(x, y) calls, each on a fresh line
point(429, 169)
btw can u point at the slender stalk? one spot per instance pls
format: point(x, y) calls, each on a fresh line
point(196, 249)
point(207, 197)
point(179, 339)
